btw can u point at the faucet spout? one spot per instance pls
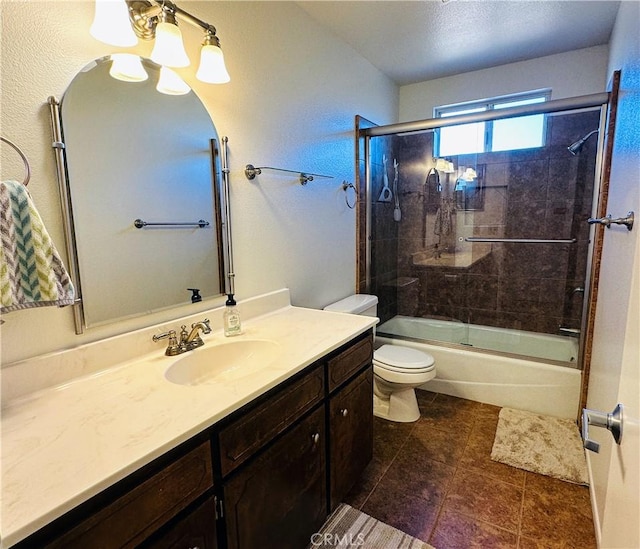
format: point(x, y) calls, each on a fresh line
point(193, 339)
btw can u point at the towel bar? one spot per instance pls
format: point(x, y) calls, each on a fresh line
point(522, 240)
point(250, 171)
point(138, 224)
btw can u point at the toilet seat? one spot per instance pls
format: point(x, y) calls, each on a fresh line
point(396, 358)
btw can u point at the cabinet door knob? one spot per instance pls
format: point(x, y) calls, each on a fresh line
point(344, 412)
point(316, 438)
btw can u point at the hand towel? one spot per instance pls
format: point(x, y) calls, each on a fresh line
point(31, 271)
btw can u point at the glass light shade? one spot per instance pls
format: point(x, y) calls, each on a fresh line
point(444, 166)
point(169, 49)
point(127, 67)
point(111, 24)
point(170, 83)
point(469, 174)
point(212, 69)
point(441, 165)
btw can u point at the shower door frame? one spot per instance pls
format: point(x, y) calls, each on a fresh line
point(363, 136)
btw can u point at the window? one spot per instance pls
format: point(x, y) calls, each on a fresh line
point(523, 132)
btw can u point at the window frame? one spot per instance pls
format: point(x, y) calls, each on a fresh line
point(444, 111)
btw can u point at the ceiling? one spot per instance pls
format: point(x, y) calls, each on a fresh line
point(414, 41)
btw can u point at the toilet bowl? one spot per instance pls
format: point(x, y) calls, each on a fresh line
point(397, 370)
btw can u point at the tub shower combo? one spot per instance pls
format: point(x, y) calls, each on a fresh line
point(487, 267)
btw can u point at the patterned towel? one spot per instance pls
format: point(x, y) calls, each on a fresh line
point(31, 272)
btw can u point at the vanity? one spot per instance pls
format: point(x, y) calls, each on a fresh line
point(129, 456)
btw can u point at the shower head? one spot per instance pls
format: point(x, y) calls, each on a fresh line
point(575, 147)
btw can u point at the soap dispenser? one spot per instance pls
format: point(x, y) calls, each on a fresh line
point(231, 318)
point(195, 295)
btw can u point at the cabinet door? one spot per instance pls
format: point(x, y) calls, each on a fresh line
point(196, 530)
point(351, 434)
point(279, 500)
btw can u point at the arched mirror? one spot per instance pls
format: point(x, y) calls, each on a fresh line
point(145, 193)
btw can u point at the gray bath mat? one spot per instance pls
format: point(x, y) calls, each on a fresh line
point(348, 527)
point(541, 444)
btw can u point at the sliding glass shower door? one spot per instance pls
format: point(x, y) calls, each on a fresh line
point(488, 249)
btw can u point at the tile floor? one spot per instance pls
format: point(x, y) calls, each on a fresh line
point(434, 479)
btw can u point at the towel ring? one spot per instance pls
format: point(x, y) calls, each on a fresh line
point(345, 187)
point(27, 168)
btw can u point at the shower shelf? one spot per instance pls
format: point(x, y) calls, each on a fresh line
point(251, 171)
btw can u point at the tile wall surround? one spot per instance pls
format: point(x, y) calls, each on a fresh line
point(23, 378)
point(535, 193)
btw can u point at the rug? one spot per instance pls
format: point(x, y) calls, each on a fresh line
point(541, 444)
point(348, 527)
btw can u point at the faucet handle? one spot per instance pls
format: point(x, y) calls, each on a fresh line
point(173, 348)
point(170, 335)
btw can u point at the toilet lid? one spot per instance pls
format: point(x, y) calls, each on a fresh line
point(397, 357)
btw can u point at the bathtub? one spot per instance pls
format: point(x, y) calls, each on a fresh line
point(497, 379)
point(560, 349)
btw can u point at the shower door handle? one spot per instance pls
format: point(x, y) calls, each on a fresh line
point(612, 422)
point(608, 220)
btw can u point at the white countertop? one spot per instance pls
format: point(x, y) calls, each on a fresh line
point(64, 444)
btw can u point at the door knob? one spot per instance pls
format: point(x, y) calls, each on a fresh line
point(612, 422)
point(607, 221)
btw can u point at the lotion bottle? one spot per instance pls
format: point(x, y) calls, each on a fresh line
point(231, 318)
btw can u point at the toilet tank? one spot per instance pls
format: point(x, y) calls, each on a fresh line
point(358, 304)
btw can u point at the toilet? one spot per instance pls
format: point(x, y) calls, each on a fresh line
point(397, 370)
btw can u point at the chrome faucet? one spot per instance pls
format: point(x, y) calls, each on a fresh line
point(188, 340)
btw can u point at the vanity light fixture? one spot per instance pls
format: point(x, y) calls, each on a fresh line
point(127, 67)
point(157, 19)
point(212, 68)
point(168, 49)
point(444, 165)
point(469, 174)
point(111, 24)
point(170, 83)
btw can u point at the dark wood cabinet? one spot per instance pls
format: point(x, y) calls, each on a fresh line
point(196, 530)
point(351, 434)
point(144, 507)
point(245, 435)
point(279, 499)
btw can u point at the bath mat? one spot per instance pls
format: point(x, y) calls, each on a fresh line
point(541, 444)
point(348, 527)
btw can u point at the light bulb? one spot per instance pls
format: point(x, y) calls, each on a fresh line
point(127, 67)
point(170, 83)
point(111, 24)
point(169, 49)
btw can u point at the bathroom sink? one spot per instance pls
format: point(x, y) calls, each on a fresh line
point(229, 361)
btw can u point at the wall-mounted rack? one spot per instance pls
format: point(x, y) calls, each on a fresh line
point(522, 240)
point(27, 168)
point(251, 171)
point(139, 224)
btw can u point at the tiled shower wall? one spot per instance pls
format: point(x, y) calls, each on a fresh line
point(543, 193)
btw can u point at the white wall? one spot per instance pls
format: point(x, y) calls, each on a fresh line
point(291, 103)
point(615, 362)
point(569, 74)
